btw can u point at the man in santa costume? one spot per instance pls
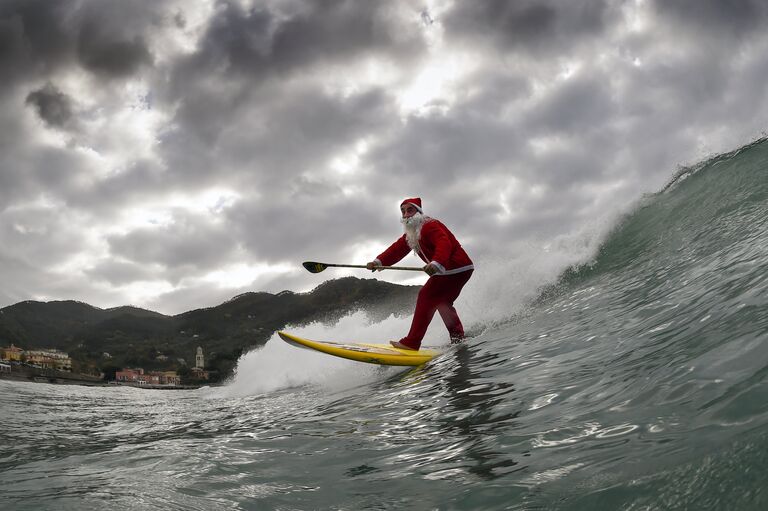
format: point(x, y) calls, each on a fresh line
point(448, 267)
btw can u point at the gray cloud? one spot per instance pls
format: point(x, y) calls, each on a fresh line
point(272, 230)
point(22, 280)
point(119, 272)
point(33, 38)
point(577, 106)
point(39, 234)
point(99, 52)
point(261, 43)
point(736, 18)
point(431, 152)
point(531, 26)
point(188, 240)
point(52, 105)
point(40, 38)
point(140, 180)
point(273, 116)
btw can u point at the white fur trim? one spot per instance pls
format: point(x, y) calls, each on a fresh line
point(418, 208)
point(456, 270)
point(440, 267)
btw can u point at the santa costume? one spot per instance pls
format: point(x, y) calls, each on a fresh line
point(433, 243)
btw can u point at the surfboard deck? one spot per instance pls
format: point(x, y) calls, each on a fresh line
point(371, 353)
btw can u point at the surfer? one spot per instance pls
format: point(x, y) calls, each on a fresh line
point(448, 266)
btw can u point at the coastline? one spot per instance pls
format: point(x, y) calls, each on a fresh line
point(158, 387)
point(39, 375)
point(53, 376)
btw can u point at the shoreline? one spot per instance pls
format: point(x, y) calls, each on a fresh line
point(56, 377)
point(157, 387)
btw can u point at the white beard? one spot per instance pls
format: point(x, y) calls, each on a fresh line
point(412, 227)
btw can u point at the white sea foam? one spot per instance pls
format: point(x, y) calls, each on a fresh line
point(503, 284)
point(279, 366)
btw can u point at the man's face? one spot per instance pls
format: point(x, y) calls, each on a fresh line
point(408, 210)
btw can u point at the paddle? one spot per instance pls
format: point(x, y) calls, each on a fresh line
point(314, 267)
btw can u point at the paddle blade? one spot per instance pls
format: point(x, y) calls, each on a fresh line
point(313, 267)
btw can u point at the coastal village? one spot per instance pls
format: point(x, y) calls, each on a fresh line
point(55, 366)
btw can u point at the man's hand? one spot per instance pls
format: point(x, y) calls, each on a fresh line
point(431, 269)
point(374, 266)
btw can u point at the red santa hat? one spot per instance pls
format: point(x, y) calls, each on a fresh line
point(415, 202)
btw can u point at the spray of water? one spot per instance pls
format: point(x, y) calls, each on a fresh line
point(278, 365)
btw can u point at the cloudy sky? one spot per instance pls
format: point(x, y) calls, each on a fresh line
point(173, 154)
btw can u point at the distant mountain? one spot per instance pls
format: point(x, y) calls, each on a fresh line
point(127, 335)
point(33, 324)
point(133, 311)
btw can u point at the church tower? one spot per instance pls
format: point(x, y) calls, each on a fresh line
point(199, 360)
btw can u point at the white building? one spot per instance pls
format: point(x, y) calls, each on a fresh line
point(199, 360)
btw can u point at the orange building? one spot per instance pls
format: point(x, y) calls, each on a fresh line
point(11, 353)
point(139, 377)
point(129, 375)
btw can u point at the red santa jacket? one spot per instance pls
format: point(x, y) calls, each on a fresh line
point(437, 245)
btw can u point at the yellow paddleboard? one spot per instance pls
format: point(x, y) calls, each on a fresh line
point(383, 354)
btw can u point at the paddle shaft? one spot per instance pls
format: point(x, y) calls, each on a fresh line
point(407, 268)
point(315, 267)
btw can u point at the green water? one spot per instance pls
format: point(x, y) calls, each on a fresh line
point(639, 382)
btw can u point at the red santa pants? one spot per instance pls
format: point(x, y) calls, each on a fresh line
point(438, 294)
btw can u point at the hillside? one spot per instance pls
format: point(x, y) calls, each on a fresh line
point(131, 336)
